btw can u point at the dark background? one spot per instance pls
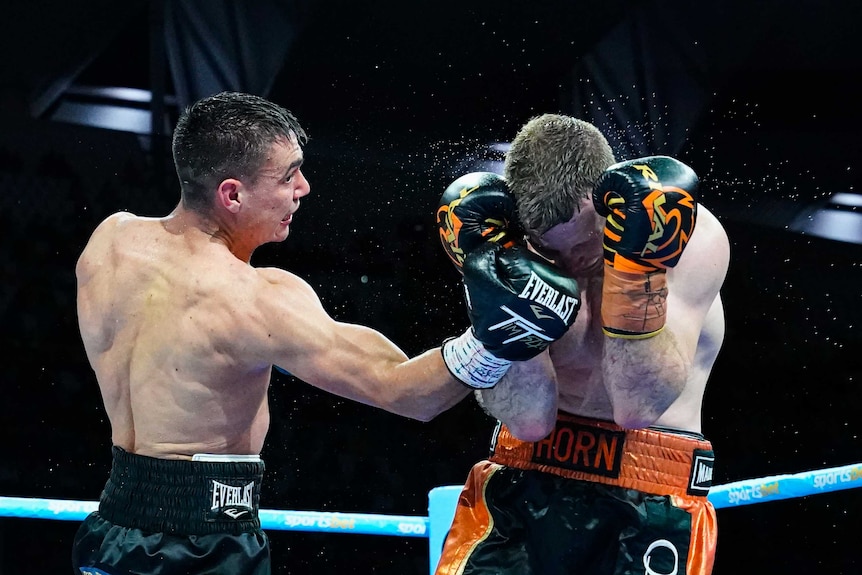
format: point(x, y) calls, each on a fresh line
point(399, 98)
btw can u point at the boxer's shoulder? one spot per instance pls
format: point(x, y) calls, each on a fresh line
point(707, 257)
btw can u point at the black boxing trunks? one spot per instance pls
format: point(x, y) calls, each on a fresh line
point(172, 517)
point(590, 499)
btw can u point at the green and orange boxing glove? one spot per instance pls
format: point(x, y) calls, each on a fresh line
point(476, 209)
point(650, 206)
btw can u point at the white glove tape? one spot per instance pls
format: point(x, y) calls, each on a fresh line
point(469, 361)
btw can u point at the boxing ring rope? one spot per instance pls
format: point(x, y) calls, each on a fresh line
point(442, 501)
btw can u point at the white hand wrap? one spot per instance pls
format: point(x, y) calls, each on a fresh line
point(473, 365)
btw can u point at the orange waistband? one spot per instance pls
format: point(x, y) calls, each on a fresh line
point(649, 460)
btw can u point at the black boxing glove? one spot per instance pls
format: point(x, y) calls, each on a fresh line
point(476, 209)
point(518, 304)
point(650, 205)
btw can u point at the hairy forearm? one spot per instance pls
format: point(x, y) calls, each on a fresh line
point(525, 399)
point(643, 377)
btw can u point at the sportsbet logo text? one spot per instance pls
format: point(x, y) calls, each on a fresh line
point(831, 478)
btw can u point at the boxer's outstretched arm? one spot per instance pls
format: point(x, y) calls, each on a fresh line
point(352, 361)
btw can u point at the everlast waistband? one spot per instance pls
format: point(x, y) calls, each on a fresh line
point(651, 460)
point(182, 497)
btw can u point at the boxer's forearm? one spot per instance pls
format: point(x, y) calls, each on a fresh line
point(643, 377)
point(525, 399)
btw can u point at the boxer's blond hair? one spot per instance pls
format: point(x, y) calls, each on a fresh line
point(552, 165)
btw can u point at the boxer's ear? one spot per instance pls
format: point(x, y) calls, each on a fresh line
point(229, 195)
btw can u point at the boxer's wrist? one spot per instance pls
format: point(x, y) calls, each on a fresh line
point(634, 305)
point(470, 363)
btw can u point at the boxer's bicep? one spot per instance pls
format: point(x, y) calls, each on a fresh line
point(352, 361)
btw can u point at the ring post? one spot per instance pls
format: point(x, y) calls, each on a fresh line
point(441, 510)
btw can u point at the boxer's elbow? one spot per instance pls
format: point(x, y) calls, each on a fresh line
point(634, 420)
point(420, 413)
point(531, 431)
point(529, 416)
point(533, 425)
point(643, 411)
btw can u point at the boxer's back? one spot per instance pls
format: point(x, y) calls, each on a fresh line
point(161, 313)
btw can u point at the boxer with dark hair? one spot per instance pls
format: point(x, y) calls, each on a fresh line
point(183, 332)
point(598, 464)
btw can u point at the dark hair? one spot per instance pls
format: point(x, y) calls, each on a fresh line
point(553, 163)
point(227, 135)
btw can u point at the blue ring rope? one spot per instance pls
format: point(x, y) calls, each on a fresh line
point(746, 492)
